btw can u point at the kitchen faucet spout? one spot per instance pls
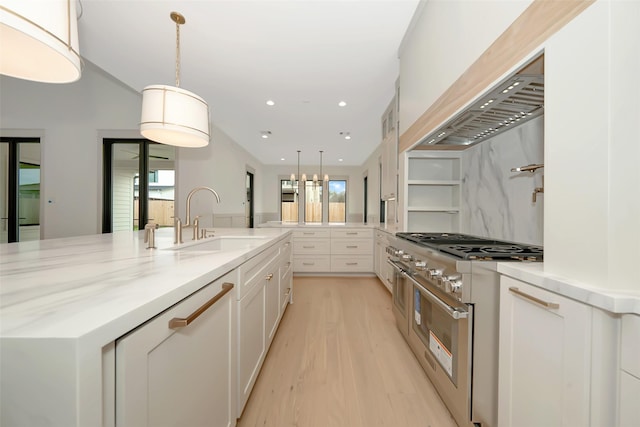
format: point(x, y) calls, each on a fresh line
point(191, 193)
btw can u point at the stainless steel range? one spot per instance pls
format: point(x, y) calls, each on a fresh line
point(446, 302)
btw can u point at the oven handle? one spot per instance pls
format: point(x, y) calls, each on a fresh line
point(453, 312)
point(395, 266)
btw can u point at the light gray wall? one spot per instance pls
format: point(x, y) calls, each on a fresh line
point(68, 118)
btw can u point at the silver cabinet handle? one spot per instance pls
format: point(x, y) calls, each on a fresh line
point(269, 276)
point(308, 263)
point(533, 299)
point(308, 247)
point(352, 233)
point(352, 263)
point(181, 322)
point(352, 246)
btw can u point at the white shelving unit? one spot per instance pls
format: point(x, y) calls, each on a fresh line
point(432, 181)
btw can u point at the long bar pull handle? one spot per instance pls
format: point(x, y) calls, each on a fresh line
point(452, 311)
point(179, 322)
point(531, 298)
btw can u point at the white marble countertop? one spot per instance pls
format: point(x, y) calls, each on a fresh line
point(611, 301)
point(104, 285)
point(280, 224)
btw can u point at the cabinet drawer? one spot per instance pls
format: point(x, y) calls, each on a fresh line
point(629, 360)
point(351, 246)
point(350, 233)
point(351, 264)
point(314, 264)
point(311, 246)
point(252, 271)
point(310, 233)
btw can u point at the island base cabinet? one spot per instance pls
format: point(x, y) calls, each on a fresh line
point(544, 358)
point(181, 375)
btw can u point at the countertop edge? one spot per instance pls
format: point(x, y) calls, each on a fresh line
point(614, 302)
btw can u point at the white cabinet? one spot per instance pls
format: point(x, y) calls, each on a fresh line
point(178, 369)
point(258, 315)
point(333, 250)
point(351, 250)
point(432, 191)
point(389, 156)
point(382, 268)
point(630, 371)
point(544, 358)
point(311, 250)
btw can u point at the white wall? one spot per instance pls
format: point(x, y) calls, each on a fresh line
point(444, 39)
point(68, 117)
point(592, 148)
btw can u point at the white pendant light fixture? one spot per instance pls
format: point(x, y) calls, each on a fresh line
point(171, 115)
point(293, 175)
point(39, 40)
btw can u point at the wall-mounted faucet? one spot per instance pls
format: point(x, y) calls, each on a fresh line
point(532, 168)
point(529, 168)
point(178, 226)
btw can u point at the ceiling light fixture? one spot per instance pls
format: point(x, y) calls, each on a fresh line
point(270, 103)
point(40, 41)
point(342, 104)
point(265, 134)
point(171, 115)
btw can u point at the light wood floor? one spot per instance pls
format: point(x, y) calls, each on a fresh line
point(338, 360)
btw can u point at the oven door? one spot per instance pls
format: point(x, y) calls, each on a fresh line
point(401, 298)
point(440, 337)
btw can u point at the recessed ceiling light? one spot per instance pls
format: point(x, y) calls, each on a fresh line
point(265, 134)
point(339, 160)
point(270, 103)
point(342, 104)
point(282, 159)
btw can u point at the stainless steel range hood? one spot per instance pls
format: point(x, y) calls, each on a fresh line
point(511, 103)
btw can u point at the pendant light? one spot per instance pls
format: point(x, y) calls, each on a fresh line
point(171, 115)
point(293, 175)
point(324, 177)
point(40, 40)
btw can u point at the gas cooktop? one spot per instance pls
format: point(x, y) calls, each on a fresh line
point(464, 246)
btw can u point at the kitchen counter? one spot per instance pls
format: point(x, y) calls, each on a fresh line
point(533, 273)
point(64, 303)
point(104, 285)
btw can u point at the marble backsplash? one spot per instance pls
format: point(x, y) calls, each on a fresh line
point(496, 202)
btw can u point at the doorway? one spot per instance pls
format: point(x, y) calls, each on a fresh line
point(20, 182)
point(138, 184)
point(248, 206)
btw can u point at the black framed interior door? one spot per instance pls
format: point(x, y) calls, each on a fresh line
point(138, 184)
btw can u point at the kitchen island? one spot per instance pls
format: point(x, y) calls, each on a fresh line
point(65, 302)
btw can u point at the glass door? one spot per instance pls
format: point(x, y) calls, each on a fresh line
point(139, 184)
point(19, 189)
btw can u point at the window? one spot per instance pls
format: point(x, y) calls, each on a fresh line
point(337, 201)
point(288, 200)
point(313, 202)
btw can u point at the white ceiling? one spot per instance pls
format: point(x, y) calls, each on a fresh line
point(304, 55)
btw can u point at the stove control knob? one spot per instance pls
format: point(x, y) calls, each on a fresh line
point(434, 273)
point(406, 257)
point(452, 284)
point(420, 265)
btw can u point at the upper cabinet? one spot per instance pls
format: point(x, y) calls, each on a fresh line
point(389, 124)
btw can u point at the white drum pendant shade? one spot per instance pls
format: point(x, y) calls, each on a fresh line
point(39, 40)
point(174, 116)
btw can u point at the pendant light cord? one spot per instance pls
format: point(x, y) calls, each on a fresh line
point(177, 54)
